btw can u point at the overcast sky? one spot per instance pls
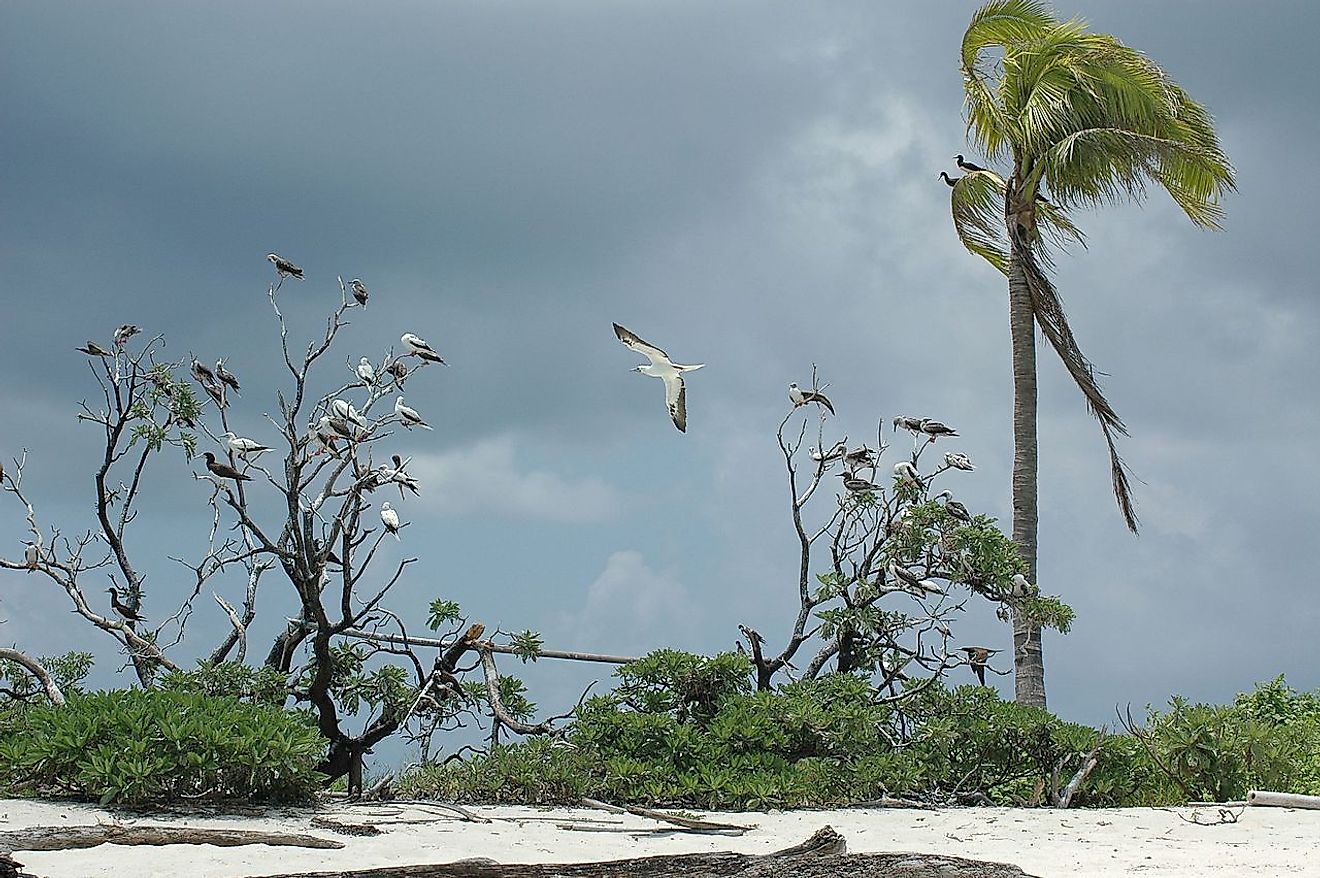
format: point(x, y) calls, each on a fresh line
point(752, 186)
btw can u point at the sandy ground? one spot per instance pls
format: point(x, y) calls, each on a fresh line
point(1132, 841)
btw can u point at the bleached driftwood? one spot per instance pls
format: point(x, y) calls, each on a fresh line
point(686, 824)
point(821, 856)
point(61, 838)
point(36, 669)
point(1265, 798)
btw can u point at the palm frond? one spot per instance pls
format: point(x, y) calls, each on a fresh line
point(977, 204)
point(995, 25)
point(1053, 323)
point(1106, 165)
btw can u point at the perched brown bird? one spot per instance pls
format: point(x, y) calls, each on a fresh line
point(398, 371)
point(283, 267)
point(202, 372)
point(225, 376)
point(92, 349)
point(977, 658)
point(359, 291)
point(216, 392)
point(224, 470)
point(121, 609)
point(952, 181)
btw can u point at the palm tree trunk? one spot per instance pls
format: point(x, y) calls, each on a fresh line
point(1028, 659)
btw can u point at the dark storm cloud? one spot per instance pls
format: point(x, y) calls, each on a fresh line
point(752, 186)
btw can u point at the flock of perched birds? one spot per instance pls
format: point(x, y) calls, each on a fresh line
point(342, 422)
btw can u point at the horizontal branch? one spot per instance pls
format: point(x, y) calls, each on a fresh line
point(507, 650)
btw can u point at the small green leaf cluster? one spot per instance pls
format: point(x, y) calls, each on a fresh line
point(138, 747)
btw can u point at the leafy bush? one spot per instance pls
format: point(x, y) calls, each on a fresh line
point(68, 671)
point(136, 747)
point(682, 730)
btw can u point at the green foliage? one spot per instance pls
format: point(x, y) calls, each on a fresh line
point(230, 680)
point(687, 731)
point(137, 747)
point(68, 671)
point(527, 645)
point(1267, 739)
point(442, 612)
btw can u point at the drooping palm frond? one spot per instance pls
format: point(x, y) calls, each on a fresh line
point(977, 204)
point(1053, 322)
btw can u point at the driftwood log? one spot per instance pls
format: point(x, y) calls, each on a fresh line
point(821, 856)
point(1265, 798)
point(62, 838)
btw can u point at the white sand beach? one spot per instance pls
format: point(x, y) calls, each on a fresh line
point(1046, 843)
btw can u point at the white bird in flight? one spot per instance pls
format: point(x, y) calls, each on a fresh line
point(409, 417)
point(245, 448)
point(418, 347)
point(665, 369)
point(366, 372)
point(389, 518)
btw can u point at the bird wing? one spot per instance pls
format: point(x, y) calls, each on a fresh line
point(645, 348)
point(812, 396)
point(676, 399)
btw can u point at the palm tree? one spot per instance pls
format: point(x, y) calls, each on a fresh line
point(1096, 122)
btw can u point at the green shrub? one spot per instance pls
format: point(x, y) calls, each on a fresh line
point(136, 747)
point(687, 731)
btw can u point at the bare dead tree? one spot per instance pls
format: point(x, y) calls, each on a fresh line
point(312, 517)
point(884, 568)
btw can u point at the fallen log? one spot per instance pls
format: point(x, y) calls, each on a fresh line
point(63, 838)
point(821, 856)
point(686, 824)
point(1264, 798)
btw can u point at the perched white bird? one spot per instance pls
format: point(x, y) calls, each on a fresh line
point(834, 453)
point(32, 554)
point(958, 460)
point(245, 448)
point(418, 347)
point(344, 410)
point(934, 429)
point(666, 370)
point(325, 434)
point(359, 291)
point(1021, 587)
point(800, 397)
point(905, 471)
point(389, 518)
point(366, 372)
point(409, 417)
point(283, 267)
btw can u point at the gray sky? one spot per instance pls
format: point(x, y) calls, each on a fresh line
point(748, 185)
